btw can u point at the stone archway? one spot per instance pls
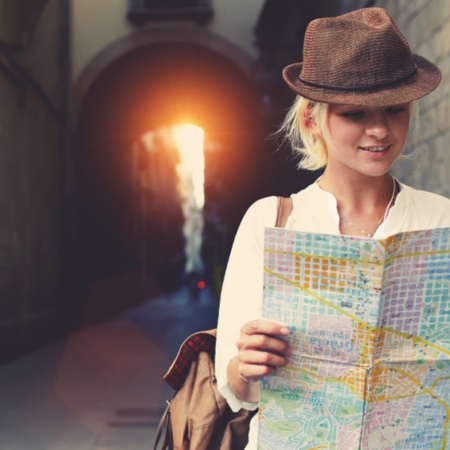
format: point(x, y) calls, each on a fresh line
point(124, 93)
point(167, 34)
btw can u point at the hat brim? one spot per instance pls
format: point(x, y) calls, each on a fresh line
point(424, 81)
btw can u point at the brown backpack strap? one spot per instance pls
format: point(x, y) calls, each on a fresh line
point(284, 211)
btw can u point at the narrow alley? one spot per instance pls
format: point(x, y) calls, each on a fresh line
point(101, 388)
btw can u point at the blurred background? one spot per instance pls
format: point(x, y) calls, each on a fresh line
point(134, 134)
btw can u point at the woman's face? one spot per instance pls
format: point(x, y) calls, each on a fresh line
point(365, 139)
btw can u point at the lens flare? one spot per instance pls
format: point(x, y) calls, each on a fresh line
point(189, 140)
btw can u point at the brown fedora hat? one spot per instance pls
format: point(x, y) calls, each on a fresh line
point(360, 58)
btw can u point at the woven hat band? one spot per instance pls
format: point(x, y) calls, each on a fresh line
point(361, 88)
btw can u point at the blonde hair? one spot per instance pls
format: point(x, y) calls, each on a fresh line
point(311, 146)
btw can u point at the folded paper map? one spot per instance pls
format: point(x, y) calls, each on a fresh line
point(370, 339)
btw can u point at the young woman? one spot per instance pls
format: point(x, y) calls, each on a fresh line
point(351, 115)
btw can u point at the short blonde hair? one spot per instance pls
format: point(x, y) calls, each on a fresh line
point(312, 146)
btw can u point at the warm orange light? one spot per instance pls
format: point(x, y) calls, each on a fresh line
point(189, 140)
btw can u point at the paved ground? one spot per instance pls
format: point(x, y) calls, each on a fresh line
point(101, 388)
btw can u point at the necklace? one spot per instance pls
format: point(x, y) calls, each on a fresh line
point(382, 218)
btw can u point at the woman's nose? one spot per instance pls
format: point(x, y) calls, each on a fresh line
point(378, 127)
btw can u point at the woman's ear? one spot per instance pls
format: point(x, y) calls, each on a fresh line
point(310, 123)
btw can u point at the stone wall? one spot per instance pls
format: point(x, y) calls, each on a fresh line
point(31, 141)
point(426, 25)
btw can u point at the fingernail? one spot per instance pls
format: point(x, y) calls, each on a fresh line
point(284, 330)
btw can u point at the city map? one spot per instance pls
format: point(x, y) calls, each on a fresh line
point(370, 340)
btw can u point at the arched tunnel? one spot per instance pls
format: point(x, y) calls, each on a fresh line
point(148, 89)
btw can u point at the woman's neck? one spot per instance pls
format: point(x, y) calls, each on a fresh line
point(359, 192)
point(362, 202)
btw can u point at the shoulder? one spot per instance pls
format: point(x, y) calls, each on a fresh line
point(426, 199)
point(428, 209)
point(262, 212)
point(249, 239)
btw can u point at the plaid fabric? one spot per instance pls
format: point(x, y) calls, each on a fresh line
point(188, 352)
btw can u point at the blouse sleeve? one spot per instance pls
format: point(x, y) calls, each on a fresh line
point(241, 297)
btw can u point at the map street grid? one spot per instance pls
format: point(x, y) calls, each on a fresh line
point(370, 334)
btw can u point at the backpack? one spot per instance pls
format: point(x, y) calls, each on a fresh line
point(198, 417)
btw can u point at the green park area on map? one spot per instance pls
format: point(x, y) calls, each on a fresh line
point(370, 339)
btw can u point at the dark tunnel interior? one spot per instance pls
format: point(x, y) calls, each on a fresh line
point(158, 86)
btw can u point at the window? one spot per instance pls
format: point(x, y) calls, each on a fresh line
point(143, 11)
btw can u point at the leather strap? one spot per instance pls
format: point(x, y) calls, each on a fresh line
point(283, 211)
point(163, 438)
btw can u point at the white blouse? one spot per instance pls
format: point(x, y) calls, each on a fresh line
point(314, 210)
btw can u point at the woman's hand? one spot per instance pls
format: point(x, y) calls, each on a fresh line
point(261, 349)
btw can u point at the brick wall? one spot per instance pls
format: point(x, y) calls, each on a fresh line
point(31, 136)
point(426, 25)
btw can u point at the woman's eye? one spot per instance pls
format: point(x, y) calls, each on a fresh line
point(395, 111)
point(353, 115)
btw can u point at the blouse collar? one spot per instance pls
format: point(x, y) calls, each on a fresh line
point(316, 209)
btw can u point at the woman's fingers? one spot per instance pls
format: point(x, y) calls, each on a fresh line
point(265, 326)
point(262, 358)
point(255, 364)
point(262, 348)
point(263, 335)
point(263, 343)
point(251, 373)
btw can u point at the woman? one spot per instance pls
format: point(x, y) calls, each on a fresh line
point(352, 114)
